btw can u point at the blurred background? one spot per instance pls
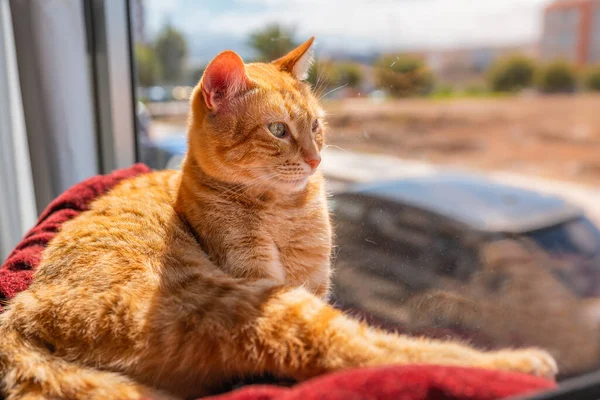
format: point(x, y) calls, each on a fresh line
point(441, 82)
point(462, 155)
point(463, 141)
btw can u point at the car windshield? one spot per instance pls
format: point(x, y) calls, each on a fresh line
point(574, 238)
point(575, 248)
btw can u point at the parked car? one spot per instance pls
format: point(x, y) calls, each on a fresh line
point(459, 255)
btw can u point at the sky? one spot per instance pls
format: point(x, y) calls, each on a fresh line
point(352, 25)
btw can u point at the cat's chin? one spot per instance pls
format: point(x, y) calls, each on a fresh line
point(293, 185)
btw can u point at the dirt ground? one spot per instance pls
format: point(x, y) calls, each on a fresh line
point(550, 136)
point(555, 137)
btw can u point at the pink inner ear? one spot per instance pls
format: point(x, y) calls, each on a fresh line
point(224, 77)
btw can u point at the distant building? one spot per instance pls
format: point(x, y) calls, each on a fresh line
point(572, 31)
point(468, 65)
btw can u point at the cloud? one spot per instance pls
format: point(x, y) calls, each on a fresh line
point(360, 25)
point(158, 11)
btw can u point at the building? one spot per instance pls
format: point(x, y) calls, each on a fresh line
point(468, 65)
point(572, 31)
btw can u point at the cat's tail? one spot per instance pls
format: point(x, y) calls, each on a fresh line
point(28, 372)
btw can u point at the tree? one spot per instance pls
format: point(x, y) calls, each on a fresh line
point(272, 42)
point(318, 72)
point(148, 67)
point(558, 77)
point(171, 51)
point(348, 73)
point(403, 76)
point(512, 74)
point(195, 74)
point(327, 75)
point(592, 79)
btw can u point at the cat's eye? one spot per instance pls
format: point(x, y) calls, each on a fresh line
point(278, 129)
point(315, 125)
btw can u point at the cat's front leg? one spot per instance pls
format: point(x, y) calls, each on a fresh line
point(412, 350)
point(298, 335)
point(530, 361)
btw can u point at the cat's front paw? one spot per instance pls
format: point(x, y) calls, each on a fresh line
point(529, 361)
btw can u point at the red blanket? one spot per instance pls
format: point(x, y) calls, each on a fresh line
point(399, 382)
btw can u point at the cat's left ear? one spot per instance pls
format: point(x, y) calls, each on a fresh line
point(297, 62)
point(223, 79)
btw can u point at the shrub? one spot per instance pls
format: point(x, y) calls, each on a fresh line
point(315, 72)
point(148, 66)
point(443, 91)
point(592, 79)
point(403, 76)
point(558, 77)
point(475, 90)
point(512, 74)
point(347, 74)
point(329, 75)
point(272, 41)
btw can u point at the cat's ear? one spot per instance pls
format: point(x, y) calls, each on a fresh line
point(297, 62)
point(224, 77)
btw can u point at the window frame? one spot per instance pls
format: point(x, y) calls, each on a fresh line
point(110, 51)
point(17, 198)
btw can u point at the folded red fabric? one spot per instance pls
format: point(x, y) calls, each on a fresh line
point(17, 270)
point(396, 382)
point(413, 382)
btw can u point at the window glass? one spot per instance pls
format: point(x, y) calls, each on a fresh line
point(463, 172)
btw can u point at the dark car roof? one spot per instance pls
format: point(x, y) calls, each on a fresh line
point(475, 201)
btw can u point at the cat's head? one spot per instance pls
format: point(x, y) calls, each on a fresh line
point(257, 124)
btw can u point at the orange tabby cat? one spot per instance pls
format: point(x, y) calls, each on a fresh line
point(175, 282)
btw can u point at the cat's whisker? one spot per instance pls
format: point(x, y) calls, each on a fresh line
point(319, 76)
point(326, 76)
point(250, 185)
point(242, 184)
point(333, 90)
point(337, 147)
point(323, 87)
point(320, 84)
point(270, 177)
point(247, 186)
point(320, 89)
point(277, 180)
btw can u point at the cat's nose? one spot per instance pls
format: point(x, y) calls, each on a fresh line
point(313, 161)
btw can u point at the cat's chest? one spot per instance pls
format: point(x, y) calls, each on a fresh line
point(303, 244)
point(288, 229)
